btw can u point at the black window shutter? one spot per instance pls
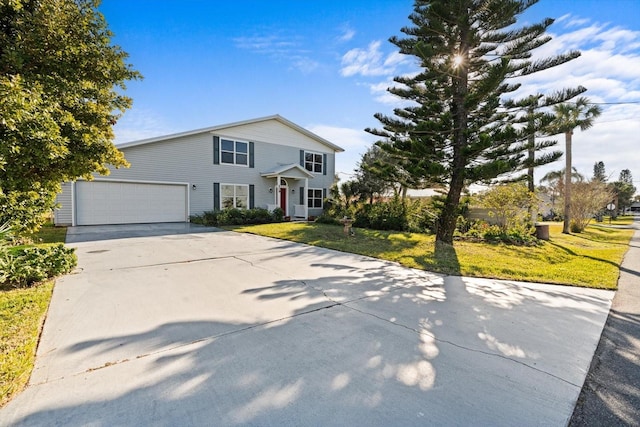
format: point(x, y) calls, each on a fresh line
point(302, 195)
point(252, 191)
point(216, 196)
point(324, 164)
point(251, 155)
point(302, 158)
point(324, 194)
point(216, 150)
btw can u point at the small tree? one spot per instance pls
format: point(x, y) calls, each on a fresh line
point(598, 172)
point(587, 200)
point(372, 175)
point(509, 204)
point(624, 189)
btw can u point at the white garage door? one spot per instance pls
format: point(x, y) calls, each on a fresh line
point(108, 202)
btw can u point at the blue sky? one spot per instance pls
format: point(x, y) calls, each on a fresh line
point(325, 65)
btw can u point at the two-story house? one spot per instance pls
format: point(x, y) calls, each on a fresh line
point(267, 162)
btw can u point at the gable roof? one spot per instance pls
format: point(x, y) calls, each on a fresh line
point(212, 129)
point(285, 171)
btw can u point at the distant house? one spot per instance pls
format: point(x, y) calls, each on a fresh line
point(635, 207)
point(267, 162)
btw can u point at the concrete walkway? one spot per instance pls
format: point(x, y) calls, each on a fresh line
point(611, 393)
point(232, 329)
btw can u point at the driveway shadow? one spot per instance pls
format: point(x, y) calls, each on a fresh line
point(92, 233)
point(412, 353)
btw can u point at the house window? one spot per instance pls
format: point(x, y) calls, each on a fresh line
point(234, 152)
point(234, 196)
point(314, 198)
point(313, 162)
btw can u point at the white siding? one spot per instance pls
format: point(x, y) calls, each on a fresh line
point(274, 132)
point(63, 215)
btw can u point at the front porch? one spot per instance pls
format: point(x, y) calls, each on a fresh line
point(289, 190)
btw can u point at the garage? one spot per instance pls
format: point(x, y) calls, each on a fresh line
point(126, 202)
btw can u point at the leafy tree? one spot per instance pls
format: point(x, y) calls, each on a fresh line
point(624, 189)
point(374, 174)
point(598, 172)
point(509, 204)
point(568, 117)
point(60, 94)
point(625, 176)
point(588, 199)
point(454, 129)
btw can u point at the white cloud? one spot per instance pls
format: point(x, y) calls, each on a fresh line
point(370, 61)
point(347, 35)
point(280, 47)
point(137, 124)
point(305, 65)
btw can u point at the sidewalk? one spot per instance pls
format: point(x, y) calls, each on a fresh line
point(611, 393)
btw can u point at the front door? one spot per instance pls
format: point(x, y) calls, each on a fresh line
point(283, 196)
point(283, 199)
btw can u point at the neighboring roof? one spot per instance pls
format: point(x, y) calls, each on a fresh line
point(212, 129)
point(281, 170)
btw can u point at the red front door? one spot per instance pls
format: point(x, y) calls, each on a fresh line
point(283, 199)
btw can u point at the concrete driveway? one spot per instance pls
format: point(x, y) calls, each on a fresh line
point(232, 329)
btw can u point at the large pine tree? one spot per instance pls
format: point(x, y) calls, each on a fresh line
point(460, 128)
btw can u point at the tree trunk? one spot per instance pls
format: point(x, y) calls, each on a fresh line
point(567, 183)
point(449, 216)
point(531, 143)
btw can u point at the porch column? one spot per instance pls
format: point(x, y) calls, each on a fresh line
point(276, 193)
point(305, 198)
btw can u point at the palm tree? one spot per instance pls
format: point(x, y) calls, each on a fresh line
point(569, 116)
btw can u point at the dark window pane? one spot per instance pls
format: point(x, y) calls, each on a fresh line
point(308, 157)
point(318, 194)
point(317, 168)
point(317, 203)
point(227, 157)
point(318, 158)
point(241, 159)
point(309, 167)
point(310, 203)
point(227, 145)
point(241, 147)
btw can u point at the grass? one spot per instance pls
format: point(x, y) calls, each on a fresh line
point(22, 313)
point(590, 259)
point(50, 234)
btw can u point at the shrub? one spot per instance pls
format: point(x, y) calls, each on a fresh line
point(21, 267)
point(257, 216)
point(327, 219)
point(390, 215)
point(232, 216)
point(235, 216)
point(277, 215)
point(509, 205)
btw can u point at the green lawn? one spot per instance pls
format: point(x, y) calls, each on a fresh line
point(50, 234)
point(589, 259)
point(22, 313)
